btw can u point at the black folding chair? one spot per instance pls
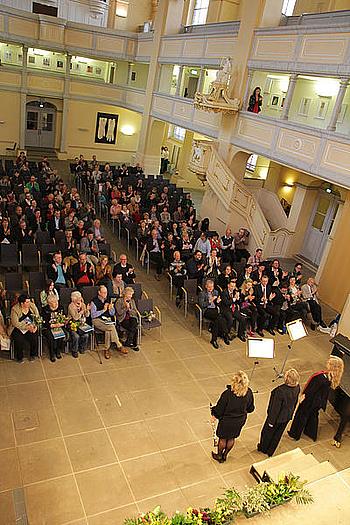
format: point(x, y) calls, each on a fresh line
point(65, 297)
point(36, 281)
point(14, 282)
point(42, 237)
point(190, 290)
point(89, 293)
point(144, 307)
point(30, 256)
point(138, 292)
point(46, 252)
point(9, 256)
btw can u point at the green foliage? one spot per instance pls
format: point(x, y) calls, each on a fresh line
point(255, 500)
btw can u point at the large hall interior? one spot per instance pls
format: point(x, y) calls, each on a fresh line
point(174, 262)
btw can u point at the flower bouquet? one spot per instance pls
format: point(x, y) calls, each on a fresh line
point(148, 316)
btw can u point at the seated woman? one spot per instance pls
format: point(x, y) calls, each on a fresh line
point(115, 210)
point(296, 301)
point(51, 317)
point(104, 274)
point(226, 276)
point(127, 317)
point(78, 311)
point(48, 291)
point(23, 328)
point(118, 286)
point(248, 306)
point(177, 270)
point(213, 267)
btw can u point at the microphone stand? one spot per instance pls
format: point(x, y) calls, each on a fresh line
point(251, 375)
point(280, 374)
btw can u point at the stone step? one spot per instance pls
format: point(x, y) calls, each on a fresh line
point(296, 465)
point(282, 460)
point(319, 471)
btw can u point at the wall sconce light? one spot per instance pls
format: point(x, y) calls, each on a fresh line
point(127, 130)
point(327, 87)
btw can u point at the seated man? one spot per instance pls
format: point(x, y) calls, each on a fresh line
point(229, 307)
point(89, 246)
point(57, 272)
point(209, 300)
point(310, 295)
point(267, 311)
point(177, 270)
point(125, 269)
point(102, 315)
point(256, 259)
point(83, 272)
point(127, 317)
point(195, 267)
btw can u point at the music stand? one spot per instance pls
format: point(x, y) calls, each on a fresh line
point(296, 330)
point(259, 348)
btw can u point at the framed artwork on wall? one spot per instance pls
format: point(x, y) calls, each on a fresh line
point(268, 85)
point(304, 107)
point(275, 101)
point(46, 61)
point(89, 69)
point(322, 109)
point(59, 64)
point(31, 60)
point(106, 128)
point(344, 108)
point(98, 71)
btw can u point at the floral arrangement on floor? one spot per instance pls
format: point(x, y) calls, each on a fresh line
point(252, 501)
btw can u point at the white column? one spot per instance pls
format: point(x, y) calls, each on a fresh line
point(329, 243)
point(63, 145)
point(297, 204)
point(179, 80)
point(289, 96)
point(23, 99)
point(344, 82)
point(247, 90)
point(201, 80)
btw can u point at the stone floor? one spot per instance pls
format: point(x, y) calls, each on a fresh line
point(92, 444)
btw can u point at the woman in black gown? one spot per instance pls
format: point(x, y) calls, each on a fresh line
point(315, 396)
point(231, 410)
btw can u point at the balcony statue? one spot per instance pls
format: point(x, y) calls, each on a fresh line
point(218, 100)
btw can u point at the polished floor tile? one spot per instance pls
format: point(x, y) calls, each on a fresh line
point(132, 440)
point(10, 475)
point(45, 460)
point(103, 489)
point(78, 416)
point(90, 449)
point(53, 502)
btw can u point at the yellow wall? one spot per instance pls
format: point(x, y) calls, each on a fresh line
point(81, 132)
point(334, 285)
point(9, 120)
point(139, 11)
point(223, 10)
point(319, 6)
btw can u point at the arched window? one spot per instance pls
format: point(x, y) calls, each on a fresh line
point(288, 7)
point(200, 12)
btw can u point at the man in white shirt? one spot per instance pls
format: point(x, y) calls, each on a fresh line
point(309, 292)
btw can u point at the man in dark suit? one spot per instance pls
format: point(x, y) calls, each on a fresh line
point(229, 308)
point(154, 246)
point(195, 267)
point(125, 269)
point(275, 273)
point(267, 311)
point(283, 401)
point(55, 224)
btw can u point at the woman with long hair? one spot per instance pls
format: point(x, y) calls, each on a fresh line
point(314, 398)
point(48, 291)
point(255, 101)
point(231, 410)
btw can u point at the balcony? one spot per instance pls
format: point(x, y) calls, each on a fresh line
point(304, 49)
point(318, 152)
point(59, 35)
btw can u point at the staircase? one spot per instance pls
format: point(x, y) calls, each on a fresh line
point(36, 154)
point(228, 201)
point(296, 461)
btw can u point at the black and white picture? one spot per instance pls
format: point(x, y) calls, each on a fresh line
point(106, 128)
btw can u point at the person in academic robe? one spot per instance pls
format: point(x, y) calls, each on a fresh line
point(314, 398)
point(283, 400)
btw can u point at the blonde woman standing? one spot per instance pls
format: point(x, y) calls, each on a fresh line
point(232, 410)
point(315, 397)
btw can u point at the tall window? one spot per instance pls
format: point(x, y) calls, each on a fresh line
point(288, 7)
point(200, 12)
